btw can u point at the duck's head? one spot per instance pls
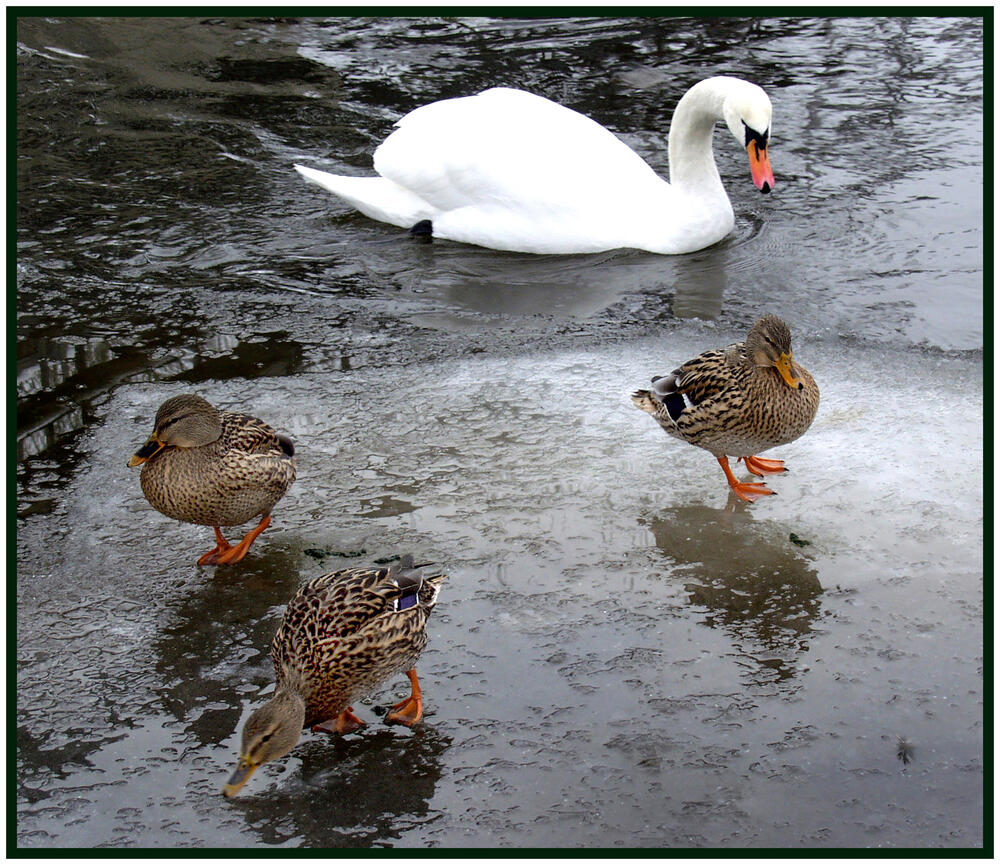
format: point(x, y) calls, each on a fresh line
point(769, 343)
point(747, 112)
point(269, 734)
point(184, 421)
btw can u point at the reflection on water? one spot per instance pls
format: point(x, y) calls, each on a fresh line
point(753, 581)
point(355, 791)
point(266, 354)
point(217, 650)
point(700, 285)
point(55, 360)
point(573, 286)
point(51, 372)
point(39, 763)
point(518, 285)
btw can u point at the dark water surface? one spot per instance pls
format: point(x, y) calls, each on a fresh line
point(621, 658)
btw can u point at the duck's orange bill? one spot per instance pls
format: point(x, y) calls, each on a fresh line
point(244, 769)
point(784, 366)
point(150, 449)
point(760, 167)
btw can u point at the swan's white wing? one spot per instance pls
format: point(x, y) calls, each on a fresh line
point(507, 149)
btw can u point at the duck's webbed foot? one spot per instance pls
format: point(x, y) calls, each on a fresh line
point(345, 722)
point(222, 547)
point(748, 491)
point(760, 466)
point(236, 554)
point(409, 711)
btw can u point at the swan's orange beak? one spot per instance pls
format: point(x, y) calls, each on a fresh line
point(760, 167)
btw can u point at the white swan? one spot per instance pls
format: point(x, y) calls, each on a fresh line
point(510, 170)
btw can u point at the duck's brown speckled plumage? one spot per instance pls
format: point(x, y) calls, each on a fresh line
point(214, 468)
point(342, 634)
point(738, 408)
point(227, 482)
point(727, 402)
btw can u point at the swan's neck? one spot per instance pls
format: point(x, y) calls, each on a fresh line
point(692, 165)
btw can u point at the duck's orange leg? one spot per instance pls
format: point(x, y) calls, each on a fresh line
point(212, 556)
point(410, 710)
point(236, 554)
point(749, 491)
point(760, 466)
point(345, 722)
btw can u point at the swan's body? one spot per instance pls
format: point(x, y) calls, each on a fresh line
point(510, 170)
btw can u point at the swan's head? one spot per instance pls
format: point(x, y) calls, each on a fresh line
point(747, 112)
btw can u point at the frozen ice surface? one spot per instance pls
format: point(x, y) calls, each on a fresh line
point(620, 647)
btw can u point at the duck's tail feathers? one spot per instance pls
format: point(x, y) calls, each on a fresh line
point(646, 401)
point(430, 590)
point(665, 396)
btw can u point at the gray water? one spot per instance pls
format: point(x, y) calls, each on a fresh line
point(623, 656)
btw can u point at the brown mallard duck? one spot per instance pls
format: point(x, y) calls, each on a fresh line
point(341, 635)
point(214, 468)
point(738, 401)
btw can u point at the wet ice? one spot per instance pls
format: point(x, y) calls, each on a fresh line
point(608, 603)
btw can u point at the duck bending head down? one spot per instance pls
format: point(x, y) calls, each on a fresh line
point(510, 170)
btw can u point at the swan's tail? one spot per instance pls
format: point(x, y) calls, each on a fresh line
point(375, 197)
